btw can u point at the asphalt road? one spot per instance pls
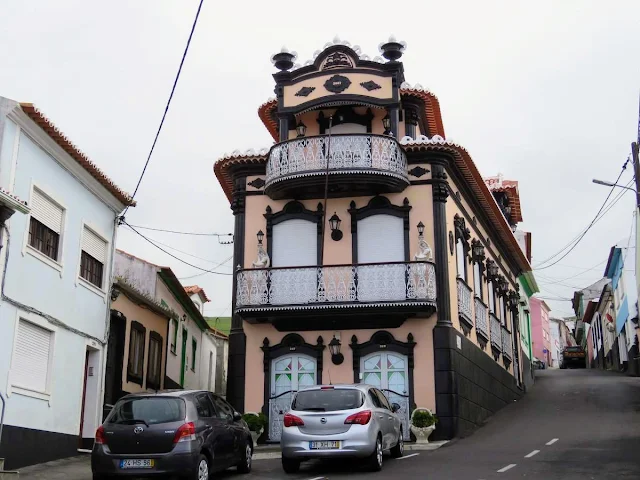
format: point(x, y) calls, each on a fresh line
point(573, 424)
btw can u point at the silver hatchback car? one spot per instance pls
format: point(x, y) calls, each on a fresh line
point(338, 421)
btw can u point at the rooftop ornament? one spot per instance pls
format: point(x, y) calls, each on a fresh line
point(284, 60)
point(392, 50)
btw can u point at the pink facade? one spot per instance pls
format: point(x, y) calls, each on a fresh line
point(540, 330)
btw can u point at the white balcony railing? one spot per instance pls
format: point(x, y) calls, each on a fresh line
point(506, 344)
point(481, 318)
point(465, 299)
point(405, 282)
point(349, 153)
point(496, 333)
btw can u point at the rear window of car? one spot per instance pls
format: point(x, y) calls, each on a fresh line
point(150, 410)
point(573, 349)
point(328, 400)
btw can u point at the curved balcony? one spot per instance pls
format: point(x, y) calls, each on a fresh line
point(363, 164)
point(318, 296)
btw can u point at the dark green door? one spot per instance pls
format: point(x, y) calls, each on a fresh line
point(184, 356)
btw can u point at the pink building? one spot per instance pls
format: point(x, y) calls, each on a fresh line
point(540, 333)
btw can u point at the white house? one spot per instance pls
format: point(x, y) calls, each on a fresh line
point(56, 272)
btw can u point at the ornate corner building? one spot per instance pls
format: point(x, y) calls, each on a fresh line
point(369, 249)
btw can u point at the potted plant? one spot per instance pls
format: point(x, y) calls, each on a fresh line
point(423, 423)
point(256, 423)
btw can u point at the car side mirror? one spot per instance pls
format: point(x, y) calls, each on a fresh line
point(395, 407)
point(237, 416)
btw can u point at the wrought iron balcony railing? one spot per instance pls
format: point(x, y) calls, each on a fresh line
point(481, 318)
point(348, 285)
point(506, 343)
point(349, 153)
point(496, 333)
point(465, 299)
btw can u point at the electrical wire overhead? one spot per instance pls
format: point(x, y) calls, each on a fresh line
point(597, 217)
point(166, 108)
point(177, 258)
point(184, 233)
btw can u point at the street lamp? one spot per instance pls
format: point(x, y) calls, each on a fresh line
point(610, 184)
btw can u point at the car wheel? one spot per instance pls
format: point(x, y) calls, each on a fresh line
point(375, 460)
point(202, 470)
point(245, 458)
point(398, 450)
point(290, 466)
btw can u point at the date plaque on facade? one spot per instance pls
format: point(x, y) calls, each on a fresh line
point(337, 84)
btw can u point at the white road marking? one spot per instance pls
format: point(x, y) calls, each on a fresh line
point(318, 478)
point(535, 452)
point(508, 467)
point(551, 442)
point(408, 456)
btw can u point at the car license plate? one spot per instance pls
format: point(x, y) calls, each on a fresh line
point(326, 445)
point(136, 463)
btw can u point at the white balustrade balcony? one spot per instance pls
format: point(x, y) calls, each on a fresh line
point(465, 300)
point(260, 291)
point(482, 326)
point(506, 344)
point(297, 168)
point(496, 333)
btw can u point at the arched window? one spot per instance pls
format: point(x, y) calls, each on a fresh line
point(462, 246)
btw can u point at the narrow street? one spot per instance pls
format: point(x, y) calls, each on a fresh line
point(573, 424)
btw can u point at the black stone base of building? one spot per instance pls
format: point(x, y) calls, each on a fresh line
point(634, 362)
point(21, 447)
point(470, 386)
point(528, 372)
point(170, 384)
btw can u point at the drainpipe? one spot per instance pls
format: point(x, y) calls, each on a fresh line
point(105, 346)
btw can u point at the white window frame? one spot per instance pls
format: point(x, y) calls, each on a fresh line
point(16, 388)
point(101, 292)
point(28, 249)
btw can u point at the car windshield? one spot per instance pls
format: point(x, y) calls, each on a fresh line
point(328, 400)
point(148, 410)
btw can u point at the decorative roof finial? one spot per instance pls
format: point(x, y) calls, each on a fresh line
point(284, 59)
point(392, 50)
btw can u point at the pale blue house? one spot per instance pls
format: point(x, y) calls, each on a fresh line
point(56, 265)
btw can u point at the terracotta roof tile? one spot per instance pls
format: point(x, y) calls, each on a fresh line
point(510, 187)
point(196, 289)
point(57, 136)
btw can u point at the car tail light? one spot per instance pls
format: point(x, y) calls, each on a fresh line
point(360, 418)
point(185, 433)
point(292, 421)
point(100, 436)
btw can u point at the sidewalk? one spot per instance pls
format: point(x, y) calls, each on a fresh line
point(79, 468)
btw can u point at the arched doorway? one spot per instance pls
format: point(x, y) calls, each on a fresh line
point(289, 373)
point(388, 372)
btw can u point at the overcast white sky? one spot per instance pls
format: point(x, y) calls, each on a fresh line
point(545, 92)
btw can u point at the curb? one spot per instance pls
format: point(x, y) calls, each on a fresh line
point(273, 452)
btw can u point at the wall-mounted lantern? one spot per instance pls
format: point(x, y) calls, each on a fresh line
point(334, 223)
point(115, 293)
point(424, 250)
point(260, 236)
point(301, 129)
point(334, 347)
point(421, 229)
point(386, 123)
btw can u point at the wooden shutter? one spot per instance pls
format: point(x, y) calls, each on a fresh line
point(31, 357)
point(295, 244)
point(46, 211)
point(94, 246)
point(381, 239)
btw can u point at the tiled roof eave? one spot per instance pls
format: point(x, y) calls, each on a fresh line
point(471, 174)
point(74, 152)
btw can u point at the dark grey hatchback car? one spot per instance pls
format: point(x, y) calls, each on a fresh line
point(183, 434)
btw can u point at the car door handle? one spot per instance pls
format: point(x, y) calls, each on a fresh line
point(380, 416)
